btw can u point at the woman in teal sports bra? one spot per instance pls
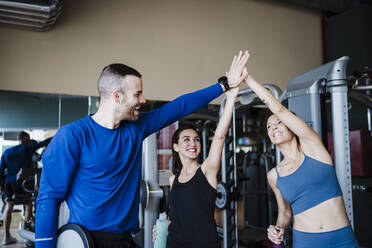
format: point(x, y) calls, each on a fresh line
point(304, 182)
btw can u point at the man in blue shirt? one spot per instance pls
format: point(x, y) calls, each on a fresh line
point(94, 163)
point(12, 160)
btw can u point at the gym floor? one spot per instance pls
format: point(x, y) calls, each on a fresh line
point(16, 218)
point(14, 233)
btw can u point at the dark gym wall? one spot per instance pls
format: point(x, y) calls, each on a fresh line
point(349, 33)
point(39, 111)
point(22, 111)
point(73, 109)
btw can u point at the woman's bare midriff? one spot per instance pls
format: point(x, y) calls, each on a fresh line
point(327, 216)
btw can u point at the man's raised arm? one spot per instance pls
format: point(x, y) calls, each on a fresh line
point(188, 103)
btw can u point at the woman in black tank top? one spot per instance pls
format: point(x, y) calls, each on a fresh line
point(193, 186)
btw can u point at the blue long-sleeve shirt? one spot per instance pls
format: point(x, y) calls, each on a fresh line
point(97, 170)
point(17, 157)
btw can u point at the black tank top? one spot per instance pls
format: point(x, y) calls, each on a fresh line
point(191, 212)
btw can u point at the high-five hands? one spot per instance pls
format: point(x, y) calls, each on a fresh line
point(237, 72)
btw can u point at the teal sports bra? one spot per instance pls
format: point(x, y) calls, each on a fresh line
point(312, 183)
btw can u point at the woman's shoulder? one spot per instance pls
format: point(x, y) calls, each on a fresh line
point(171, 180)
point(317, 152)
point(321, 155)
point(272, 175)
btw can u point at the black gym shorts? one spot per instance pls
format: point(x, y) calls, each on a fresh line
point(111, 240)
point(10, 189)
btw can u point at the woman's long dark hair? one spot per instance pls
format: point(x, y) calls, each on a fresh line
point(176, 161)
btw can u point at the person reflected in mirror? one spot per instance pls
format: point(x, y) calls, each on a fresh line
point(12, 161)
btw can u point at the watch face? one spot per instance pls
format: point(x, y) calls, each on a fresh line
point(222, 80)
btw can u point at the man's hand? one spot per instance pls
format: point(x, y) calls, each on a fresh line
point(237, 73)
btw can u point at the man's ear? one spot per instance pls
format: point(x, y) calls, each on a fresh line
point(117, 95)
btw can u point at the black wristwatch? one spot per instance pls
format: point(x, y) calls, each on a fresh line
point(223, 80)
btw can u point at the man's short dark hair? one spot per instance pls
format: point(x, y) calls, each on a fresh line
point(23, 137)
point(111, 78)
